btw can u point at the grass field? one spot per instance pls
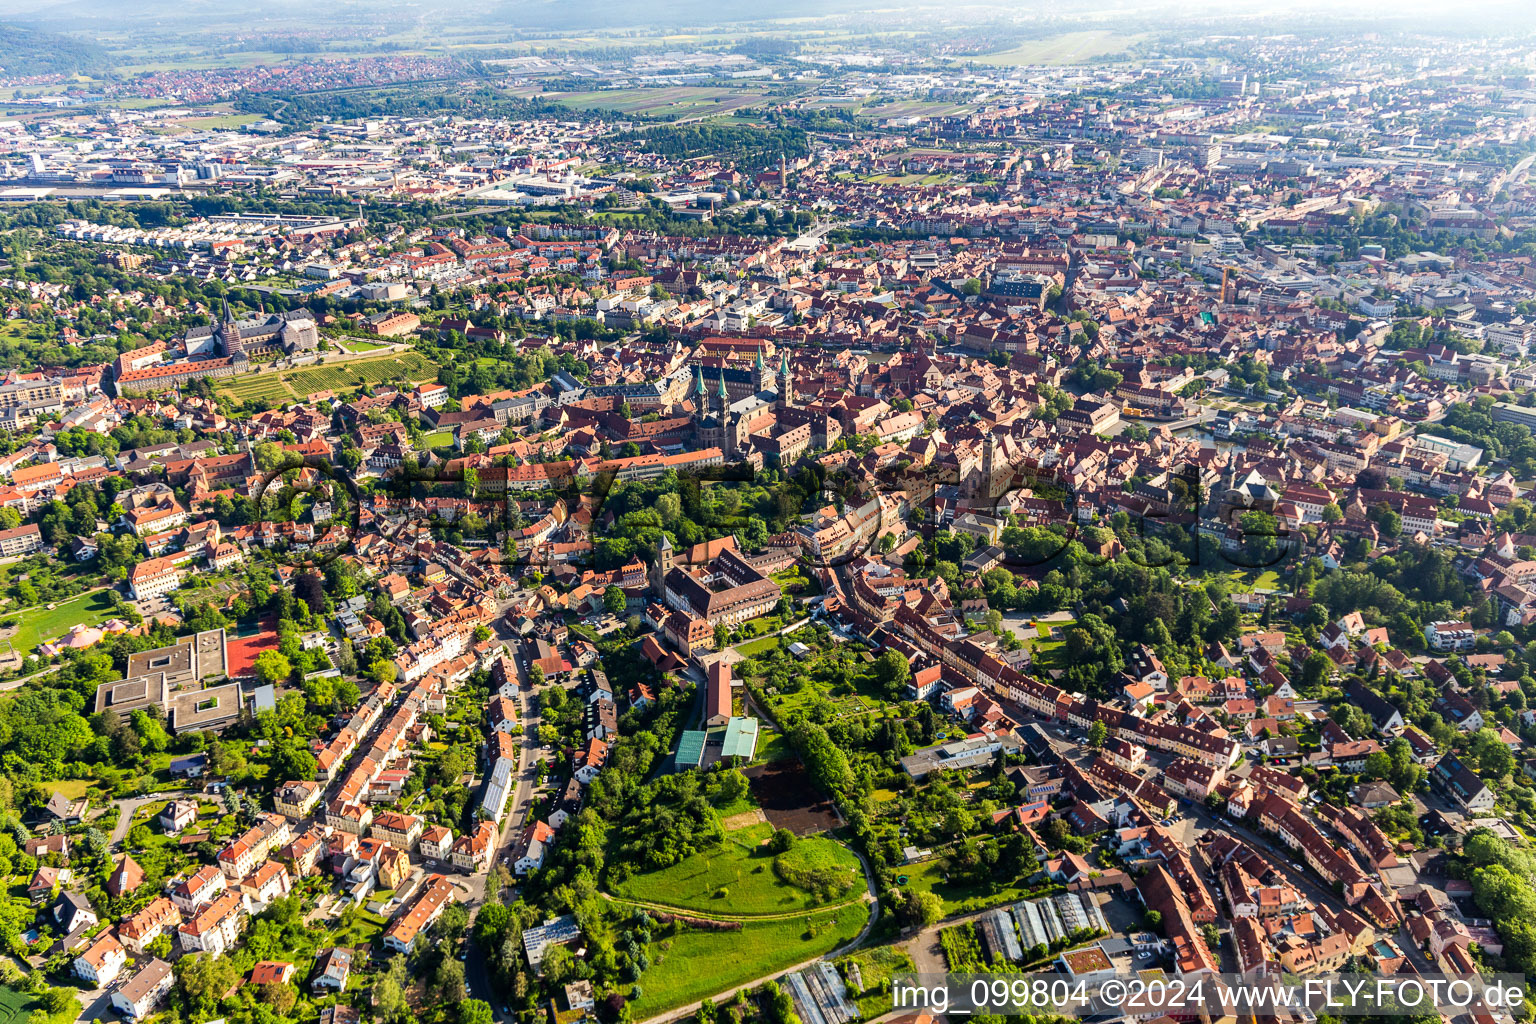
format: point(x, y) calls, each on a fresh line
point(15, 1007)
point(772, 745)
point(917, 108)
point(218, 121)
point(683, 101)
point(439, 438)
point(695, 964)
point(1048, 650)
point(73, 789)
point(747, 877)
point(341, 377)
point(906, 179)
point(35, 625)
point(758, 646)
point(1070, 48)
point(928, 876)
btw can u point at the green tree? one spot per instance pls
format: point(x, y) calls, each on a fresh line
point(475, 1011)
point(273, 667)
point(893, 673)
point(614, 602)
point(924, 909)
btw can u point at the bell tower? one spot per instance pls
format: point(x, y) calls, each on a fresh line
point(664, 561)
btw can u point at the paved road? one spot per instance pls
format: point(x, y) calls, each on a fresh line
point(477, 975)
point(128, 806)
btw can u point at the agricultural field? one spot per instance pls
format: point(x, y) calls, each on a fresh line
point(681, 101)
point(36, 625)
point(1069, 48)
point(916, 108)
point(741, 878)
point(15, 1007)
point(340, 377)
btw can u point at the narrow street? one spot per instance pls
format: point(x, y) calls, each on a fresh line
point(477, 973)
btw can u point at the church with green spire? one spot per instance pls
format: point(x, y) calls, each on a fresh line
point(731, 402)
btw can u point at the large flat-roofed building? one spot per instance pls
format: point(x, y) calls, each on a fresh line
point(125, 696)
point(171, 678)
point(201, 656)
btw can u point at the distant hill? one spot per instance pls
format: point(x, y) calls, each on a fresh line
point(24, 51)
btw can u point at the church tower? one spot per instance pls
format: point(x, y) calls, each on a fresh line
point(727, 427)
point(664, 562)
point(229, 337)
point(786, 380)
point(988, 467)
point(700, 399)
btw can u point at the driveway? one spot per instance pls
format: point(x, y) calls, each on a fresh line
point(95, 1004)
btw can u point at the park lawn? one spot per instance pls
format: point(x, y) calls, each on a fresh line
point(439, 439)
point(354, 345)
point(958, 897)
point(36, 625)
point(744, 871)
point(15, 1007)
point(697, 964)
point(758, 646)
